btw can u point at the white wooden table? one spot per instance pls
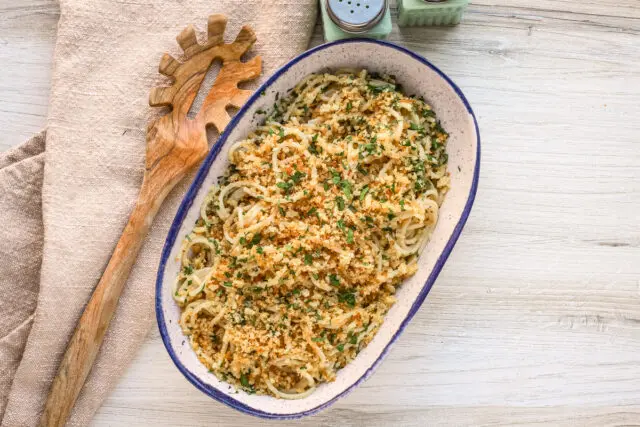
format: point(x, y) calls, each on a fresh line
point(536, 317)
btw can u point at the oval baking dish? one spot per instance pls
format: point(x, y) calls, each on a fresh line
point(417, 76)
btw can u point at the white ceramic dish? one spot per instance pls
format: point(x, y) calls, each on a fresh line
point(417, 76)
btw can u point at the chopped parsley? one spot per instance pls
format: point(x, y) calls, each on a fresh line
point(415, 127)
point(444, 158)
point(256, 239)
point(244, 381)
point(349, 236)
point(363, 192)
point(379, 88)
point(333, 280)
point(438, 127)
point(348, 298)
point(428, 113)
point(297, 176)
point(353, 339)
point(308, 259)
point(335, 178)
point(362, 170)
point(369, 148)
point(347, 189)
point(284, 185)
point(313, 148)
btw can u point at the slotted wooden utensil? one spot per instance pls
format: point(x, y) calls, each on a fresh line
point(175, 144)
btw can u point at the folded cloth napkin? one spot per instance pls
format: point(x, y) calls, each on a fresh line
point(66, 194)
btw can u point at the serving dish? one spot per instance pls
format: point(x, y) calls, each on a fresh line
point(417, 76)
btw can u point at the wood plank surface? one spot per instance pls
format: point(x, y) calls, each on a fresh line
point(536, 317)
point(27, 36)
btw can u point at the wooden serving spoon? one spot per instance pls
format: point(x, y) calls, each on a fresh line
point(175, 144)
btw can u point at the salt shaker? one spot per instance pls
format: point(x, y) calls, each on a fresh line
point(355, 18)
point(418, 13)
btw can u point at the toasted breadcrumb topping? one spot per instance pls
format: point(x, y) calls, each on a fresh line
point(321, 215)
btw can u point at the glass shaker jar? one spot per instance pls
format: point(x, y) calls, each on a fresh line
point(422, 13)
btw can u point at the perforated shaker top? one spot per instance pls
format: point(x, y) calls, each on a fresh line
point(356, 16)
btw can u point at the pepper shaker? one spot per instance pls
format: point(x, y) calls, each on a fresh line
point(416, 13)
point(355, 18)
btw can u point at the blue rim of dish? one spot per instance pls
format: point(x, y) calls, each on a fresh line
point(187, 202)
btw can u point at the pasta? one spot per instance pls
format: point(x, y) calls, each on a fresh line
point(300, 247)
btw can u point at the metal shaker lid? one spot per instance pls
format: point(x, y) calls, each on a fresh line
point(356, 16)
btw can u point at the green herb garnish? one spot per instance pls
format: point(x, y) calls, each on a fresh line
point(363, 192)
point(347, 189)
point(244, 380)
point(308, 259)
point(313, 148)
point(336, 178)
point(348, 298)
point(333, 280)
point(284, 185)
point(415, 127)
point(297, 176)
point(256, 239)
point(362, 170)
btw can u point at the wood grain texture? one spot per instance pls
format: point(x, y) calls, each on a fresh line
point(27, 37)
point(175, 144)
point(535, 319)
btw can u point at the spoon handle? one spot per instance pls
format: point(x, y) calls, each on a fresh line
point(87, 338)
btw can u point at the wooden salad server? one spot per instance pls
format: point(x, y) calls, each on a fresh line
point(175, 144)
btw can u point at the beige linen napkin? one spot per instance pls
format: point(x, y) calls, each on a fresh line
point(62, 208)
